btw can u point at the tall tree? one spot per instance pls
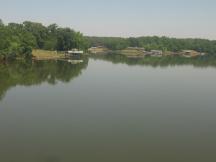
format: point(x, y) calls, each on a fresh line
point(1, 22)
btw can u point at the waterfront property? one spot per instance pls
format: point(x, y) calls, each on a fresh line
point(155, 53)
point(38, 54)
point(133, 52)
point(73, 52)
point(191, 53)
point(98, 50)
point(138, 52)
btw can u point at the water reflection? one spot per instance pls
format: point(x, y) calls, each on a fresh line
point(111, 113)
point(29, 73)
point(158, 61)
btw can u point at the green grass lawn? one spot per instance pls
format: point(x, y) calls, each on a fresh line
point(46, 55)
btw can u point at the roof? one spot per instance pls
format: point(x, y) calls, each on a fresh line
point(75, 52)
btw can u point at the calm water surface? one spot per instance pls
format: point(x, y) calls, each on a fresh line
point(104, 112)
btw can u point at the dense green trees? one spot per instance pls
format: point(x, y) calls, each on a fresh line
point(15, 41)
point(158, 43)
point(113, 43)
point(173, 44)
point(20, 39)
point(1, 22)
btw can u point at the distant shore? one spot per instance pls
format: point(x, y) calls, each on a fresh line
point(131, 52)
point(137, 52)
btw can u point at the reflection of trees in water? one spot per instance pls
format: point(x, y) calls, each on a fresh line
point(158, 61)
point(34, 73)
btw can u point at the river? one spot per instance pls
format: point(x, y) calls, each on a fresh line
point(105, 110)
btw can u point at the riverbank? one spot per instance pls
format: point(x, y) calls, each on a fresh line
point(136, 53)
point(46, 55)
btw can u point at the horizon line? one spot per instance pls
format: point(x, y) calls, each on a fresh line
point(110, 36)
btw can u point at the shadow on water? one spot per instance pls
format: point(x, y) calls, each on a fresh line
point(30, 73)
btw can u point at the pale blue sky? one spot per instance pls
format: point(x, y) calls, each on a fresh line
point(174, 18)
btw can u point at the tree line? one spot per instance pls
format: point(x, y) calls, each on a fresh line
point(155, 43)
point(19, 39)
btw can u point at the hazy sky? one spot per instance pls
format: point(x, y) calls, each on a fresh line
point(174, 18)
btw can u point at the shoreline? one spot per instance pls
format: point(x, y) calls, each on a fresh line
point(41, 55)
point(38, 54)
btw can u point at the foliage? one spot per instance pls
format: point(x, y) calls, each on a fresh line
point(15, 41)
point(113, 43)
point(20, 39)
point(155, 43)
point(1, 22)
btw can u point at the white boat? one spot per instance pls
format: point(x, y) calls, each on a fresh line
point(75, 51)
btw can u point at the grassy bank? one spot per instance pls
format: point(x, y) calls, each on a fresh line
point(46, 55)
point(131, 52)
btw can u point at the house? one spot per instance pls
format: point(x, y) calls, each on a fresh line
point(190, 53)
point(155, 53)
